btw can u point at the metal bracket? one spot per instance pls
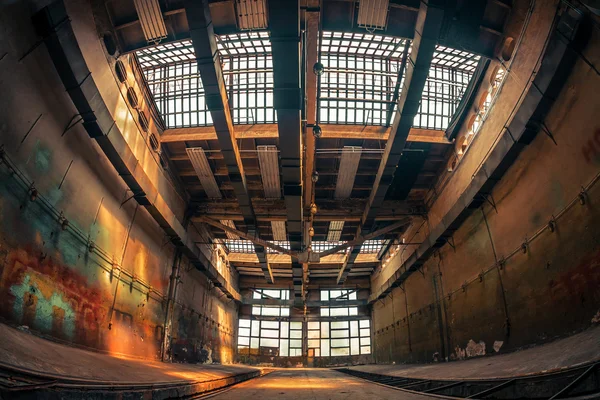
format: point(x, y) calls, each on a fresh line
point(450, 241)
point(548, 133)
point(71, 124)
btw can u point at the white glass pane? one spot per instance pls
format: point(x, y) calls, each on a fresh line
point(324, 347)
point(365, 332)
point(285, 312)
point(284, 330)
point(339, 334)
point(344, 351)
point(324, 329)
point(365, 350)
point(313, 325)
point(353, 328)
point(324, 295)
point(354, 347)
point(269, 333)
point(269, 342)
point(244, 332)
point(365, 323)
point(244, 341)
point(284, 348)
point(295, 325)
point(296, 334)
point(256, 310)
point(313, 343)
point(339, 312)
point(313, 334)
point(255, 328)
point(270, 324)
point(254, 343)
point(339, 325)
point(324, 312)
point(353, 311)
point(366, 341)
point(296, 344)
point(244, 323)
point(340, 342)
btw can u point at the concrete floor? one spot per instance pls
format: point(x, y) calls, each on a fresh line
point(314, 383)
point(24, 350)
point(572, 351)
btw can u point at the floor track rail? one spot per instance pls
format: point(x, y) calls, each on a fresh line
point(582, 382)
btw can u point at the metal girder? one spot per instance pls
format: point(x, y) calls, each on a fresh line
point(258, 242)
point(264, 264)
point(284, 21)
point(209, 68)
point(360, 240)
point(211, 74)
point(429, 23)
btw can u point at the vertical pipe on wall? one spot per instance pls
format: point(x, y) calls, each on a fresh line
point(118, 280)
point(506, 318)
point(173, 283)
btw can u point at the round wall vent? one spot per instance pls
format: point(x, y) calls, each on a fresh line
point(143, 120)
point(121, 71)
point(132, 98)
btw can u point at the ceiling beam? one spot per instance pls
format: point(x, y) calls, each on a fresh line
point(360, 240)
point(245, 235)
point(330, 131)
point(244, 259)
point(284, 23)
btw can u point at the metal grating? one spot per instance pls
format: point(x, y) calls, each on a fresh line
point(372, 246)
point(347, 171)
point(268, 158)
point(204, 172)
point(229, 223)
point(278, 228)
point(335, 231)
point(372, 14)
point(168, 53)
point(151, 20)
point(251, 14)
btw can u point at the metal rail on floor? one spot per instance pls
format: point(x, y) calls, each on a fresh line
point(581, 382)
point(21, 383)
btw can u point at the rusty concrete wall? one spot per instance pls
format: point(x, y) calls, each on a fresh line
point(99, 280)
point(511, 279)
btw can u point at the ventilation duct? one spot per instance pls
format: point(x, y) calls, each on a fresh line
point(251, 14)
point(347, 172)
point(278, 228)
point(335, 231)
point(268, 157)
point(229, 223)
point(151, 19)
point(372, 14)
point(204, 172)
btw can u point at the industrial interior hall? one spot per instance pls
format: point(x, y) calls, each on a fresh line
point(299, 199)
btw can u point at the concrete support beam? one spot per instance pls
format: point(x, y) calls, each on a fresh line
point(284, 21)
point(429, 23)
point(209, 67)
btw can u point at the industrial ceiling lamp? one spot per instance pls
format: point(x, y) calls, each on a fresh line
point(317, 131)
point(251, 14)
point(372, 14)
point(318, 69)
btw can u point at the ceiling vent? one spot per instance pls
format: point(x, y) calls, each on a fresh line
point(151, 19)
point(372, 14)
point(278, 228)
point(335, 231)
point(268, 158)
point(251, 14)
point(204, 172)
point(347, 172)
